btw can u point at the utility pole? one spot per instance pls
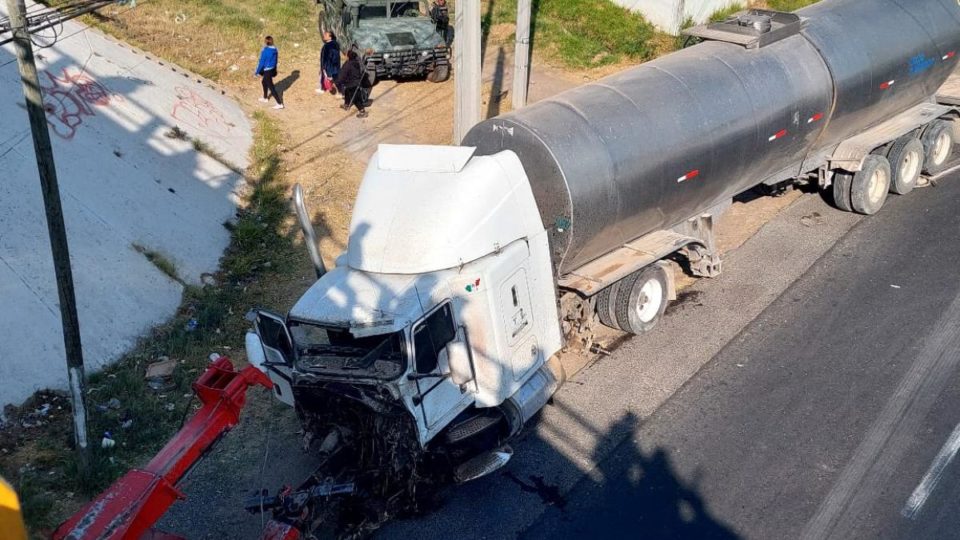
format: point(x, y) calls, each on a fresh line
point(521, 57)
point(466, 68)
point(55, 226)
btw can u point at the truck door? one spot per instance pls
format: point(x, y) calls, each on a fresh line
point(438, 394)
point(278, 352)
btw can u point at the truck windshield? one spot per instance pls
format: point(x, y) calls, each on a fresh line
point(372, 12)
point(335, 351)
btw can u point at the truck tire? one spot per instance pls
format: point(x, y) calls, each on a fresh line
point(937, 142)
point(841, 190)
point(870, 185)
point(906, 161)
point(642, 299)
point(439, 74)
point(606, 306)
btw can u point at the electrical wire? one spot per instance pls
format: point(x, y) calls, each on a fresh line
point(82, 30)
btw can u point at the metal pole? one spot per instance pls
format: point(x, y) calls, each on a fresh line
point(55, 226)
point(466, 62)
point(521, 59)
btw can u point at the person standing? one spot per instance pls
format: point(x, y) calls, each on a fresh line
point(349, 81)
point(440, 14)
point(329, 63)
point(267, 70)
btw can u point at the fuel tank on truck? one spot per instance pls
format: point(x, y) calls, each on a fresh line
point(885, 56)
point(654, 145)
point(649, 147)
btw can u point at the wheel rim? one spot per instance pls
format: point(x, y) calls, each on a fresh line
point(651, 296)
point(878, 185)
point(910, 166)
point(942, 149)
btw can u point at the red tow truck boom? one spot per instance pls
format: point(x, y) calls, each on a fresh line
point(133, 504)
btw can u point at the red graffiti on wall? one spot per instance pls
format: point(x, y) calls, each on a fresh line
point(193, 109)
point(69, 98)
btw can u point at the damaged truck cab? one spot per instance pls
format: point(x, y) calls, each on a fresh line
point(449, 315)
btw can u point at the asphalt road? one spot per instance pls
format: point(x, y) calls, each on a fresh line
point(811, 392)
point(822, 418)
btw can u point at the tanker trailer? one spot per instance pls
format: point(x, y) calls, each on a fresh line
point(435, 337)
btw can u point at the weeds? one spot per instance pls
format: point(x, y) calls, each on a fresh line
point(162, 263)
point(580, 33)
point(789, 5)
point(35, 453)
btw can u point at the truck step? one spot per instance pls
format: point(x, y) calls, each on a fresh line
point(471, 427)
point(483, 464)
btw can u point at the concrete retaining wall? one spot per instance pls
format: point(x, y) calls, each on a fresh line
point(124, 183)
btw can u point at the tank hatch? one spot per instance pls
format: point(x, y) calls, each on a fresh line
point(752, 28)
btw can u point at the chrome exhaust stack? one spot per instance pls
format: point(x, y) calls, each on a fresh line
point(309, 234)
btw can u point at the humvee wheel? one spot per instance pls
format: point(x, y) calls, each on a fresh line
point(439, 74)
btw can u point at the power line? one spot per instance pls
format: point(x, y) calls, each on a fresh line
point(132, 6)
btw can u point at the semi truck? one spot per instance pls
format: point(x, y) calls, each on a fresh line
point(435, 336)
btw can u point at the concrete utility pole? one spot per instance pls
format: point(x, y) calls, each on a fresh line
point(466, 68)
point(55, 226)
point(521, 58)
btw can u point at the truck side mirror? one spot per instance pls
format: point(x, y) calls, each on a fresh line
point(458, 358)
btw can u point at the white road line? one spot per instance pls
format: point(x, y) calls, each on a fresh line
point(879, 450)
point(922, 492)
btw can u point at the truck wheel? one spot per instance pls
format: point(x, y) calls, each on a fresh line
point(937, 142)
point(868, 190)
point(906, 161)
point(606, 306)
point(841, 190)
point(439, 74)
point(642, 299)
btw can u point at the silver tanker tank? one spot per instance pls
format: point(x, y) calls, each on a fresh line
point(652, 146)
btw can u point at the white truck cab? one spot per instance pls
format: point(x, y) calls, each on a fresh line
point(437, 311)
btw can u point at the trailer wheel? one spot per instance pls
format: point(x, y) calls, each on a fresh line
point(642, 299)
point(841, 190)
point(868, 190)
point(906, 161)
point(937, 142)
point(606, 306)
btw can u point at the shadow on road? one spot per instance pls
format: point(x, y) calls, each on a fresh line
point(631, 493)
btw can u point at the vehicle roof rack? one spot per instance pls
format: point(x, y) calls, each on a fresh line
point(752, 28)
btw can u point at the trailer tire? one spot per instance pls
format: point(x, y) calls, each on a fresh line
point(937, 142)
point(642, 299)
point(906, 161)
point(841, 190)
point(870, 185)
point(606, 306)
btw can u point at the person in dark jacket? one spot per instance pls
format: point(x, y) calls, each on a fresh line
point(440, 14)
point(329, 63)
point(349, 81)
point(267, 70)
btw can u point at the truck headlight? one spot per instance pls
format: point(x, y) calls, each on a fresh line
point(425, 54)
point(386, 56)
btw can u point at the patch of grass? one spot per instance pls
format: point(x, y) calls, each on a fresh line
point(580, 33)
point(35, 452)
point(725, 13)
point(159, 260)
point(218, 39)
point(789, 5)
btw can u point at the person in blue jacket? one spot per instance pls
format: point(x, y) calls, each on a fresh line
point(329, 63)
point(267, 70)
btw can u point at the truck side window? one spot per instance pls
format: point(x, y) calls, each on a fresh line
point(431, 336)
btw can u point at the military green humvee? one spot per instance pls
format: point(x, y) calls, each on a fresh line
point(404, 39)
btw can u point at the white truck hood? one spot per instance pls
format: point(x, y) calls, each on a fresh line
point(422, 209)
point(368, 304)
